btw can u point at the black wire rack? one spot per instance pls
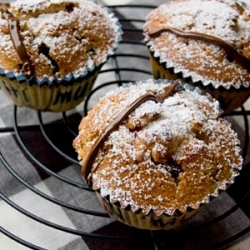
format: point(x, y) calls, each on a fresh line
point(130, 63)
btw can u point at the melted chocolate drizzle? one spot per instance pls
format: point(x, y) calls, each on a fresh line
point(14, 29)
point(157, 97)
point(241, 59)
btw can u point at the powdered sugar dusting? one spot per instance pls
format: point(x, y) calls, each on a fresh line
point(164, 156)
point(208, 63)
point(209, 17)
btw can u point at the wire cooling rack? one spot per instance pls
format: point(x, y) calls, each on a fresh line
point(130, 63)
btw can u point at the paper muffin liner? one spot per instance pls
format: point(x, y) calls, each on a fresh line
point(47, 94)
point(175, 221)
point(229, 99)
point(54, 94)
point(151, 221)
point(140, 220)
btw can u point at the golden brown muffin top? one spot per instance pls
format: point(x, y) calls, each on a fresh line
point(206, 61)
point(165, 156)
point(59, 36)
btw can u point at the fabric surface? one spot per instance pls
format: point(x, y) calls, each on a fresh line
point(43, 201)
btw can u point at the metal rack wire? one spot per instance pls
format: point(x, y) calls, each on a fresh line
point(132, 47)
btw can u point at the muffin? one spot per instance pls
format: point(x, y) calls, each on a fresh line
point(156, 151)
point(51, 51)
point(205, 43)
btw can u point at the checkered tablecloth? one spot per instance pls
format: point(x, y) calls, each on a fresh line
point(43, 203)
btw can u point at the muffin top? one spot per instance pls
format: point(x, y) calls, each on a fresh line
point(55, 37)
point(207, 40)
point(164, 154)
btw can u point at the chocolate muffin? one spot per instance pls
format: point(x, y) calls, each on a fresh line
point(155, 151)
point(51, 51)
point(205, 43)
